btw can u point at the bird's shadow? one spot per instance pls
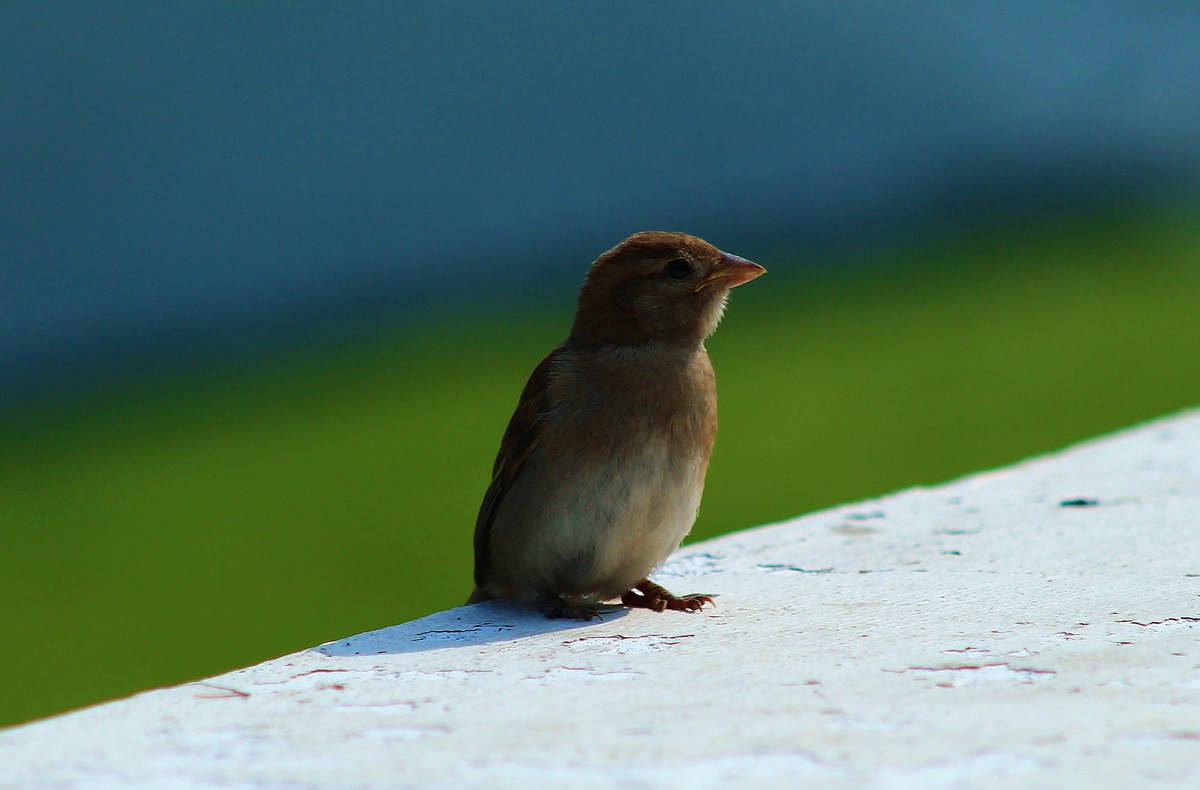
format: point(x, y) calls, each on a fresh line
point(465, 626)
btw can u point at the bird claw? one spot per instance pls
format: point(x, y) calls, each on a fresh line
point(656, 598)
point(689, 603)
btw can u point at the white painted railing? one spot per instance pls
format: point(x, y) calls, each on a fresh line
point(1032, 626)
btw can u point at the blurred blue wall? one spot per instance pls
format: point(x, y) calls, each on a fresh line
point(188, 180)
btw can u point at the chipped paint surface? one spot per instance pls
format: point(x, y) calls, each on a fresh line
point(1032, 626)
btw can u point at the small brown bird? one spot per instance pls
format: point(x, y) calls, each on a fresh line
point(601, 469)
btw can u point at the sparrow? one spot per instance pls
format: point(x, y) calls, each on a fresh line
point(601, 469)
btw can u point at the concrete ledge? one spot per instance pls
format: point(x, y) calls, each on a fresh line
point(1033, 626)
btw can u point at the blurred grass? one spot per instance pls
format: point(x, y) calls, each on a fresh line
point(187, 526)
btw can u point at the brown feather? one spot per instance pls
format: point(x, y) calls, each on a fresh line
point(520, 439)
point(601, 467)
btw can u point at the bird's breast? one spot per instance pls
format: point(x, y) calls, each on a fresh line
point(622, 475)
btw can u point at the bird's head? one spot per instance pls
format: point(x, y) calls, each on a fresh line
point(657, 286)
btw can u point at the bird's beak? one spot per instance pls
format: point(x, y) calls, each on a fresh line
point(732, 270)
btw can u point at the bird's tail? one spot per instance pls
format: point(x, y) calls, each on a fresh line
point(479, 595)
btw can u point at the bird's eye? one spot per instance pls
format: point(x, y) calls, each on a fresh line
point(678, 269)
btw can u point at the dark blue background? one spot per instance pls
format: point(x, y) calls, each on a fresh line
point(181, 182)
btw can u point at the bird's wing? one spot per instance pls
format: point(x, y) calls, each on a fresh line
point(520, 439)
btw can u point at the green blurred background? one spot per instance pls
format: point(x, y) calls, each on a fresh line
point(257, 356)
point(192, 524)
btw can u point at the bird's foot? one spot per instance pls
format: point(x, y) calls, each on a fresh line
point(648, 595)
point(555, 607)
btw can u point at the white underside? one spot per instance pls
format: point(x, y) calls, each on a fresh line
point(597, 528)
